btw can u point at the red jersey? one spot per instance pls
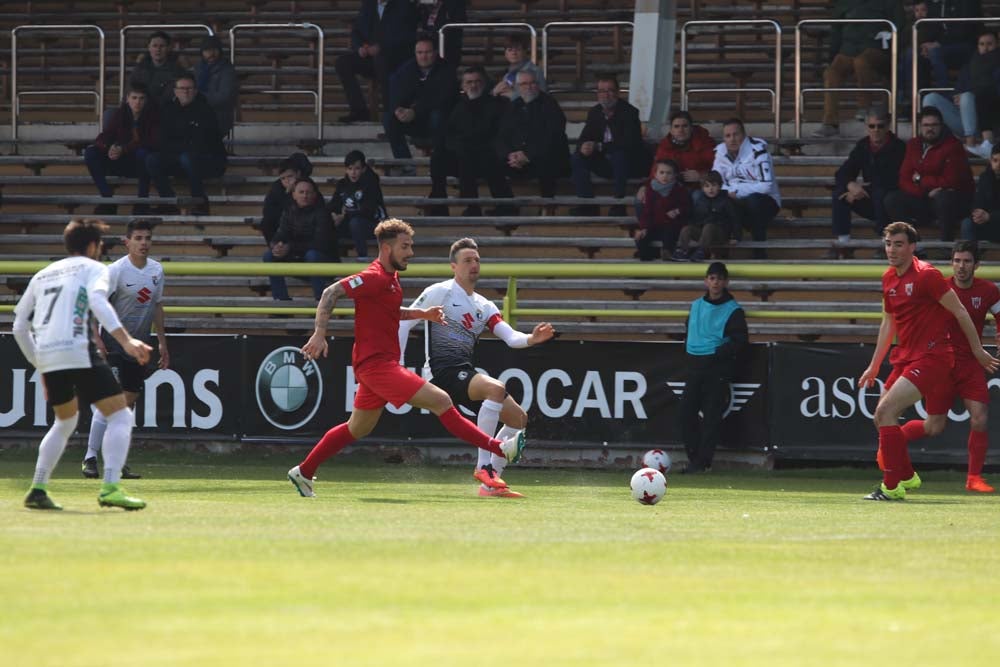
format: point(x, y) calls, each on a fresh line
point(982, 297)
point(922, 324)
point(377, 300)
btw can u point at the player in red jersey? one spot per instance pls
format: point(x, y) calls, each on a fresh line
point(979, 297)
point(378, 300)
point(919, 309)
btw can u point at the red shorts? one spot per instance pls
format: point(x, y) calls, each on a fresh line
point(968, 381)
point(381, 382)
point(931, 375)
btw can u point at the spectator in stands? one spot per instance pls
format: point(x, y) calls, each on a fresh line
point(748, 175)
point(158, 69)
point(690, 146)
point(668, 205)
point(279, 197)
point(532, 138)
point(357, 205)
point(190, 143)
point(423, 93)
point(984, 224)
point(714, 223)
point(610, 145)
point(975, 105)
point(381, 40)
point(518, 56)
point(856, 50)
point(434, 14)
point(935, 181)
point(305, 234)
point(129, 135)
point(877, 159)
point(467, 147)
point(217, 81)
point(941, 46)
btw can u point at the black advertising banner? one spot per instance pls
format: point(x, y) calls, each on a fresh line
point(819, 412)
point(197, 394)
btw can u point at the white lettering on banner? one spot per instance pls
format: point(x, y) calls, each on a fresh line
point(623, 395)
point(543, 399)
point(171, 378)
point(211, 400)
point(41, 405)
point(846, 398)
point(592, 383)
point(16, 411)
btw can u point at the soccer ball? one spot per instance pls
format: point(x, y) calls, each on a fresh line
point(657, 459)
point(648, 486)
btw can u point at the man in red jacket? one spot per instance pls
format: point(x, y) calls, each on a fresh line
point(935, 181)
point(690, 146)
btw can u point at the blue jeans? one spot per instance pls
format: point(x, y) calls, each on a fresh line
point(961, 120)
point(608, 165)
point(872, 208)
point(279, 288)
point(361, 229)
point(426, 127)
point(940, 59)
point(130, 166)
point(196, 167)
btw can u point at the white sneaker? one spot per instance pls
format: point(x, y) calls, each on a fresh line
point(513, 446)
point(301, 483)
point(983, 150)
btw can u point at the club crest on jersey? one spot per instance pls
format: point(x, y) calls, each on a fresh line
point(289, 388)
point(356, 281)
point(977, 301)
point(156, 281)
point(909, 289)
point(892, 291)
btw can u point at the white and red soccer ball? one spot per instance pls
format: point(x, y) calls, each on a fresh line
point(648, 486)
point(657, 459)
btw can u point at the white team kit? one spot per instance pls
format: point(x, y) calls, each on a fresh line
point(58, 301)
point(134, 293)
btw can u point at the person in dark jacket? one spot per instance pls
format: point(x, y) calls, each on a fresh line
point(877, 159)
point(610, 145)
point(190, 143)
point(423, 92)
point(435, 14)
point(467, 146)
point(217, 81)
point(665, 213)
point(279, 196)
point(158, 69)
point(121, 149)
point(532, 138)
point(357, 205)
point(715, 337)
point(941, 46)
point(984, 224)
point(381, 40)
point(305, 234)
point(935, 180)
point(715, 221)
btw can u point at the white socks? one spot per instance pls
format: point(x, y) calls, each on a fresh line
point(116, 442)
point(499, 462)
point(487, 420)
point(52, 448)
point(98, 424)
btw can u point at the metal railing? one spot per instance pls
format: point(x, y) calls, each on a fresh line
point(800, 91)
point(15, 96)
point(320, 40)
point(578, 25)
point(915, 92)
point(775, 92)
point(122, 36)
point(506, 26)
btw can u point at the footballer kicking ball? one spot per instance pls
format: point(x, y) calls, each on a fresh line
point(657, 459)
point(648, 486)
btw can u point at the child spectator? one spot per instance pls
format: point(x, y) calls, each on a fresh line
point(357, 205)
point(664, 213)
point(279, 197)
point(714, 222)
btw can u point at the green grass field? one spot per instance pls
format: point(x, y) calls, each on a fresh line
point(401, 566)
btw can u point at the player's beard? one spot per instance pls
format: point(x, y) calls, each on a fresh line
point(397, 264)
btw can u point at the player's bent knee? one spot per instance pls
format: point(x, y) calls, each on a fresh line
point(933, 427)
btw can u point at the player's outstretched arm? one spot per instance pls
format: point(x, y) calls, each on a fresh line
point(317, 346)
point(951, 301)
point(542, 332)
point(886, 332)
point(432, 314)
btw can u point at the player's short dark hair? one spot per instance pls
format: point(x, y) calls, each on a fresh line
point(185, 76)
point(519, 40)
point(967, 246)
point(137, 87)
point(480, 70)
point(670, 163)
point(930, 112)
point(717, 269)
point(353, 157)
point(735, 121)
point(81, 232)
point(901, 228)
point(425, 37)
point(390, 228)
point(713, 177)
point(610, 78)
point(138, 224)
point(680, 113)
point(161, 34)
point(459, 245)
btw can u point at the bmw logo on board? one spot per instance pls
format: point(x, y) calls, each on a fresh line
point(289, 388)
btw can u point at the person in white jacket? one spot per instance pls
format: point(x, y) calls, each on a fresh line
point(748, 175)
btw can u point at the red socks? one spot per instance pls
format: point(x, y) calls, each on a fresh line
point(892, 442)
point(330, 444)
point(913, 430)
point(463, 429)
point(978, 444)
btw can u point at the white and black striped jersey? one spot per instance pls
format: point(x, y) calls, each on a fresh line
point(134, 294)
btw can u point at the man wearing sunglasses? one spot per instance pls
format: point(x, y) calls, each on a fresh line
point(877, 159)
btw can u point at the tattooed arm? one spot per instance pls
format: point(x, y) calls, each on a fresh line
point(317, 345)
